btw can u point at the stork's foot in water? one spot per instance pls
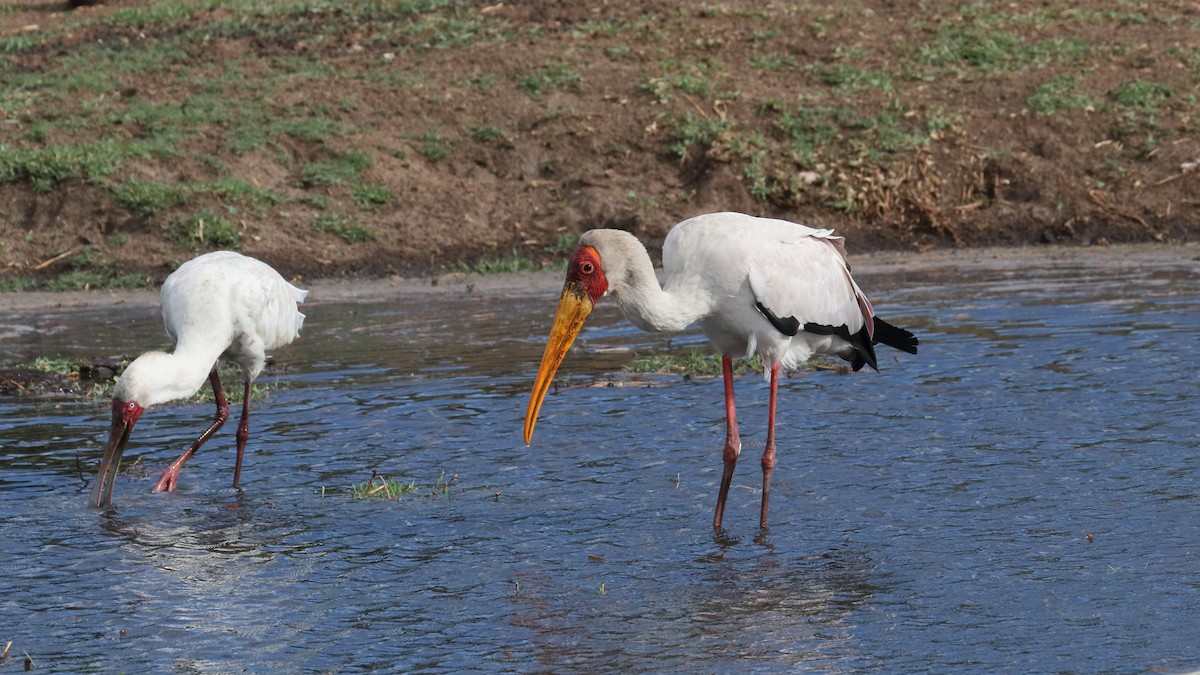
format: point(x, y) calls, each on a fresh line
point(169, 478)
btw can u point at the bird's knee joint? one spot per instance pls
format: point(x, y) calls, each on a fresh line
point(768, 460)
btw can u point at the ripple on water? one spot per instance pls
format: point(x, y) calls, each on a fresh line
point(995, 501)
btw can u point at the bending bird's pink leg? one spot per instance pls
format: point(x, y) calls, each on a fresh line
point(768, 458)
point(733, 445)
point(171, 476)
point(243, 433)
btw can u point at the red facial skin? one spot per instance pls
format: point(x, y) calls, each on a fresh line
point(130, 411)
point(584, 270)
point(584, 286)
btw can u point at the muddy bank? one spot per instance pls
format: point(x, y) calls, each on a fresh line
point(547, 283)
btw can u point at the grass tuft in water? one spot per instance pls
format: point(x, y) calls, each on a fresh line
point(697, 363)
point(690, 363)
point(95, 379)
point(381, 487)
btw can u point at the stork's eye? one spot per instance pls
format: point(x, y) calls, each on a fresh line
point(587, 268)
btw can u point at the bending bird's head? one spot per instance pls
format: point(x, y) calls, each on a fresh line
point(125, 414)
point(585, 285)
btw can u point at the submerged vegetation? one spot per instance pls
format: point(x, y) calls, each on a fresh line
point(700, 363)
point(95, 380)
point(391, 489)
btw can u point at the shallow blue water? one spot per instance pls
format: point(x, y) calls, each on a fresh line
point(930, 517)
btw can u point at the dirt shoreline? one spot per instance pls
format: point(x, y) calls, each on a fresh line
point(546, 283)
point(377, 139)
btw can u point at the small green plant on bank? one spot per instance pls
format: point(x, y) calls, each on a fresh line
point(564, 244)
point(205, 231)
point(331, 223)
point(1060, 93)
point(550, 77)
point(17, 284)
point(1142, 94)
point(491, 134)
point(514, 262)
point(434, 147)
point(369, 196)
point(148, 198)
point(344, 170)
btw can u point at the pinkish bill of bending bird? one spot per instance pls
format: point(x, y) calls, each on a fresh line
point(761, 286)
point(217, 305)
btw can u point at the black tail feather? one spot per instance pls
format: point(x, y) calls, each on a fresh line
point(862, 348)
point(861, 352)
point(895, 337)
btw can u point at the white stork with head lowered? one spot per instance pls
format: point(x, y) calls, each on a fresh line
point(217, 305)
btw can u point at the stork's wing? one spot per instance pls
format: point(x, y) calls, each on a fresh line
point(273, 306)
point(805, 278)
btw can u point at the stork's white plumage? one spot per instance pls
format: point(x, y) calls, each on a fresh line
point(759, 286)
point(221, 304)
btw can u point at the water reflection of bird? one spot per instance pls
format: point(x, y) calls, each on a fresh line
point(220, 304)
point(754, 286)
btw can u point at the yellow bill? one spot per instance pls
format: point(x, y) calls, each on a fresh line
point(573, 309)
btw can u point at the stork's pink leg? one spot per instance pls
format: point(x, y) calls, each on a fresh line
point(243, 433)
point(733, 445)
point(171, 476)
point(768, 458)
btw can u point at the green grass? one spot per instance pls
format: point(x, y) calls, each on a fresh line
point(17, 284)
point(690, 363)
point(77, 280)
point(45, 168)
point(98, 379)
point(694, 363)
point(88, 269)
point(549, 78)
point(564, 244)
point(491, 134)
point(391, 489)
point(772, 62)
point(434, 147)
point(692, 133)
point(370, 196)
point(331, 223)
point(149, 198)
point(981, 43)
point(691, 79)
point(382, 488)
point(130, 97)
point(205, 231)
point(514, 262)
point(1142, 94)
point(237, 191)
point(343, 170)
point(1060, 93)
point(809, 129)
point(845, 78)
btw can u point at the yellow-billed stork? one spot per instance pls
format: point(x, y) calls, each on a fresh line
point(754, 285)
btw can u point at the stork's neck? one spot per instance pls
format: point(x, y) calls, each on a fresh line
point(648, 306)
point(158, 377)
